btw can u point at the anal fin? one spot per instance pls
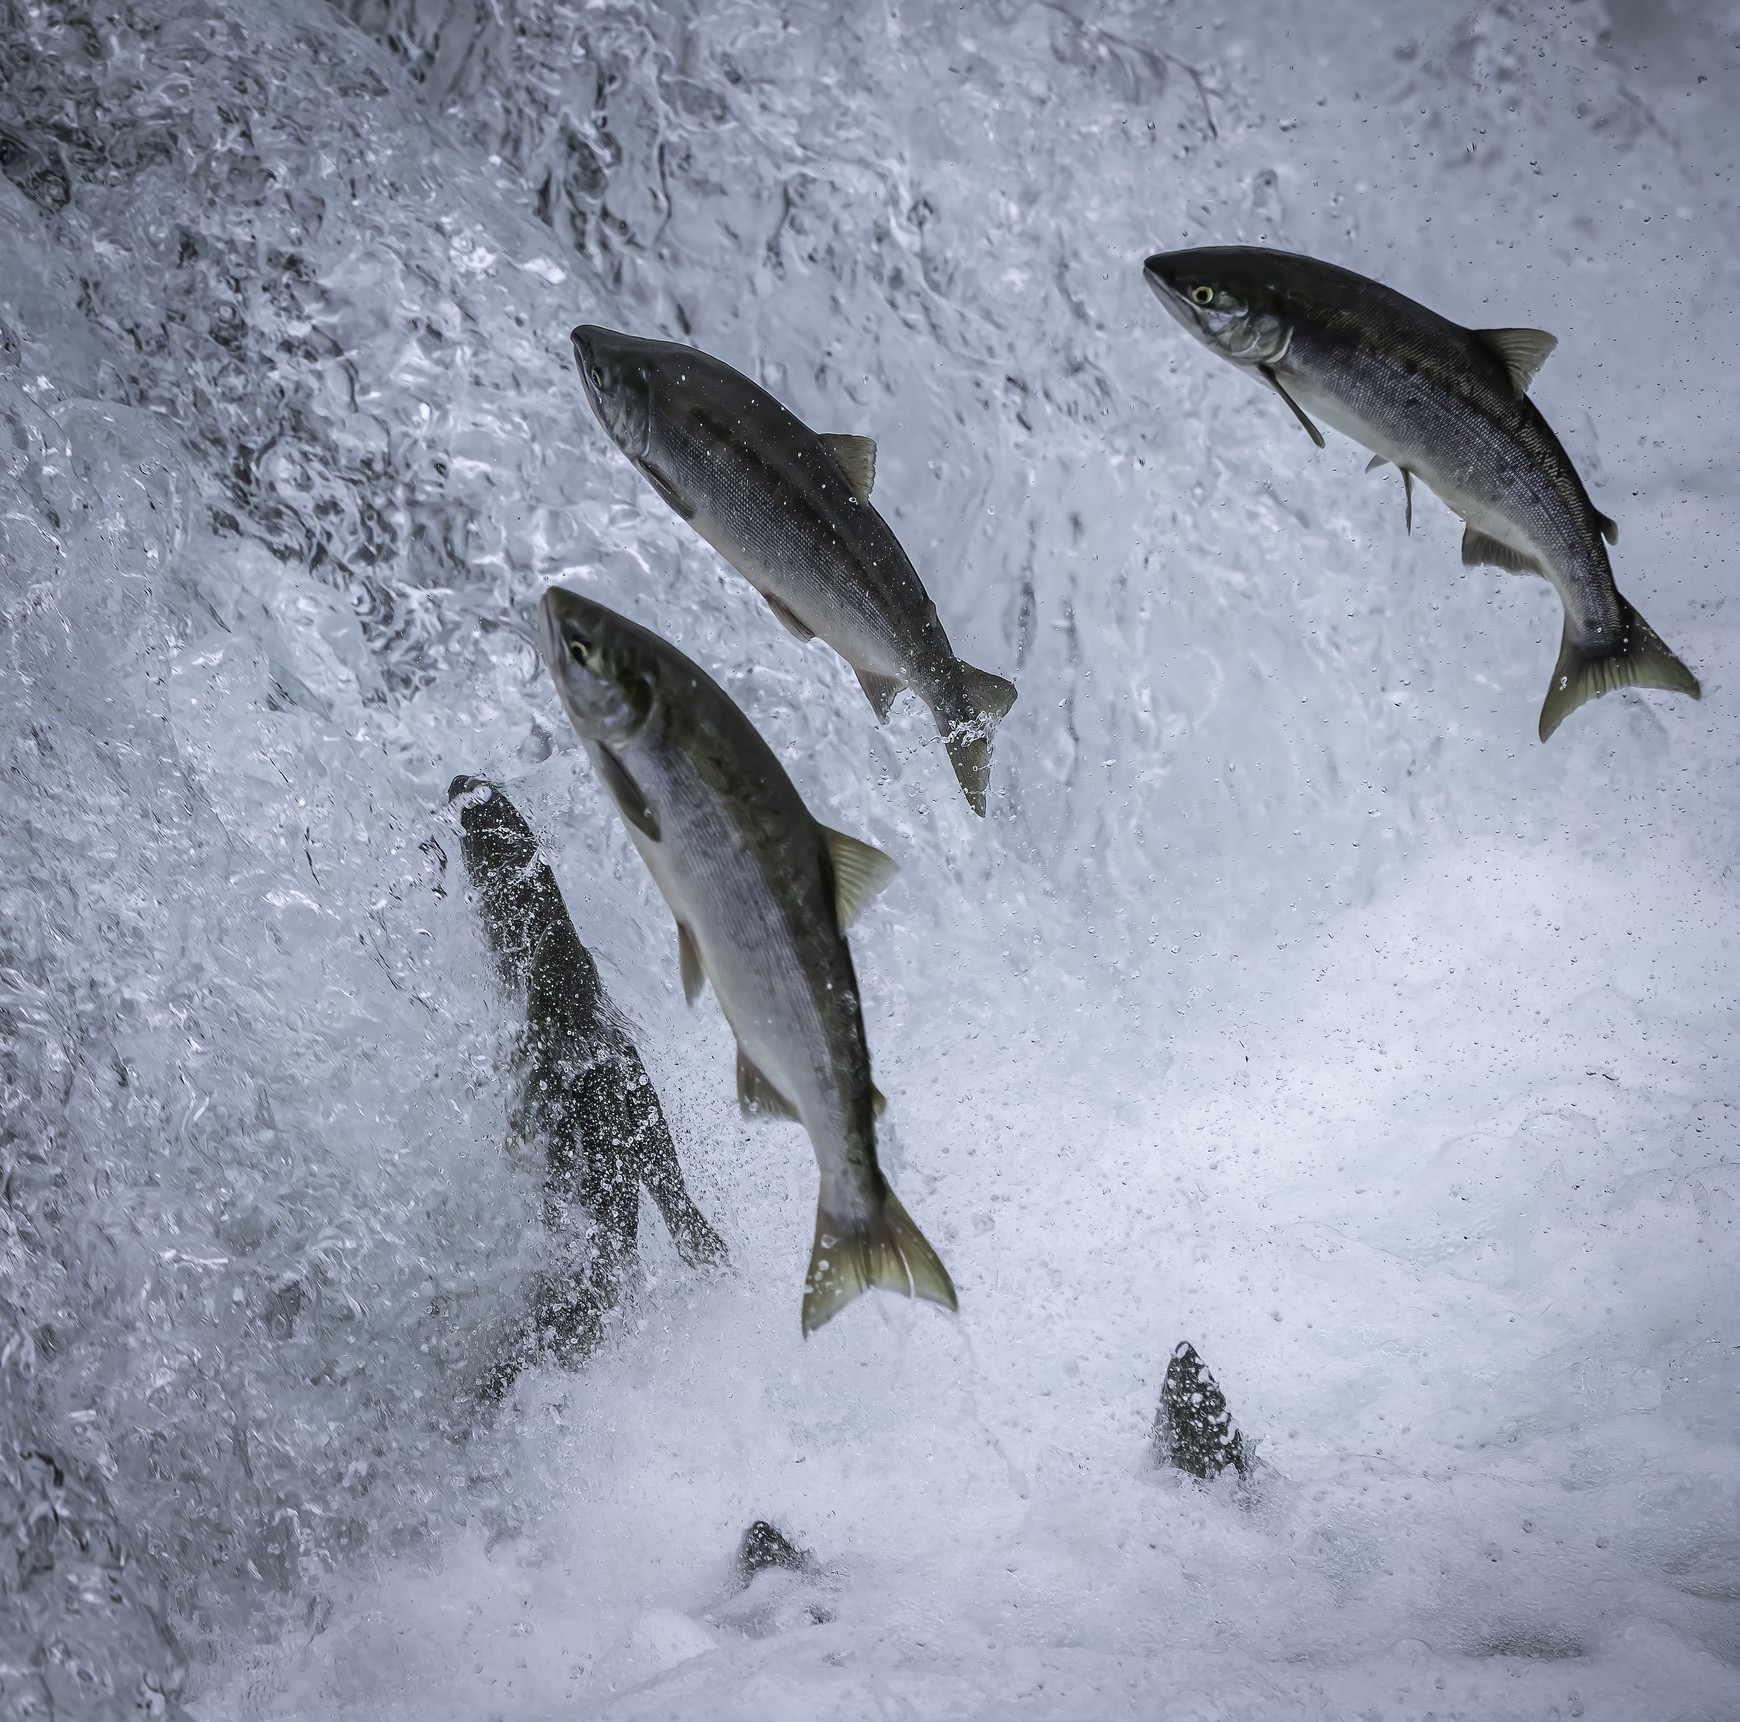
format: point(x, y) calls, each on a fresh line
point(1482, 551)
point(881, 691)
point(757, 1096)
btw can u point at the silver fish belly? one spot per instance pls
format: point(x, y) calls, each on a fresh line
point(762, 895)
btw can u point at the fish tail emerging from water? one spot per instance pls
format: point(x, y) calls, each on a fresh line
point(883, 1249)
point(987, 699)
point(1639, 658)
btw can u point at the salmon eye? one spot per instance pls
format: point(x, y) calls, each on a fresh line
point(1202, 295)
point(579, 648)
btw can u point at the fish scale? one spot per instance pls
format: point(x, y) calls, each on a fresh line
point(725, 888)
point(781, 536)
point(762, 894)
point(1481, 474)
point(1444, 404)
point(790, 510)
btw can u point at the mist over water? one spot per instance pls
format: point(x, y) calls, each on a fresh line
point(1292, 1000)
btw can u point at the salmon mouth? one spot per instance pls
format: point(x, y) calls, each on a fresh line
point(550, 633)
point(1172, 297)
point(581, 339)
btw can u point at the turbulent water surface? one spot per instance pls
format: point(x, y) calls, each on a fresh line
point(1292, 1000)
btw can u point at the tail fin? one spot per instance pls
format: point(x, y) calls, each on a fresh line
point(888, 1251)
point(1639, 660)
point(968, 739)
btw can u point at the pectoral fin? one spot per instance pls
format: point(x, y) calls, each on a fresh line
point(1522, 352)
point(668, 493)
point(755, 1094)
point(860, 871)
point(881, 691)
point(788, 619)
point(856, 458)
point(625, 792)
point(1274, 382)
point(1480, 551)
point(1609, 528)
point(689, 965)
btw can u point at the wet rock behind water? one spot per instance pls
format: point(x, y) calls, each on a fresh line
point(83, 1621)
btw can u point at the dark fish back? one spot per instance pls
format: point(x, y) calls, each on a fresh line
point(584, 1098)
point(1449, 359)
point(790, 499)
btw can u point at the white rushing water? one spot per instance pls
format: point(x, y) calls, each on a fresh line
point(1293, 1000)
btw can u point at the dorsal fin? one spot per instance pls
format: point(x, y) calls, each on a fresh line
point(860, 871)
point(855, 456)
point(1522, 352)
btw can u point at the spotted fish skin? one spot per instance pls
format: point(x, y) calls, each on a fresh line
point(761, 894)
point(1445, 404)
point(789, 510)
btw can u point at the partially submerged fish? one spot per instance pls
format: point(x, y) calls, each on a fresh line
point(790, 511)
point(1193, 1430)
point(762, 896)
point(585, 1093)
point(1446, 405)
point(585, 1100)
